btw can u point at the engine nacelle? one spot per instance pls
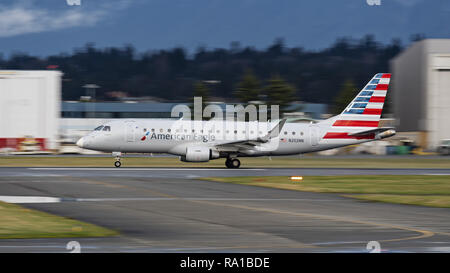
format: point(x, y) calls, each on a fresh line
point(199, 154)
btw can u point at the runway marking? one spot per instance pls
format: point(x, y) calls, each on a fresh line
point(46, 199)
point(29, 199)
point(141, 169)
point(424, 233)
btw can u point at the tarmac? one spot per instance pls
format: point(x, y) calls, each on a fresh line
point(170, 210)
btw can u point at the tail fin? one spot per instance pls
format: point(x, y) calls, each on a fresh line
point(370, 100)
point(364, 112)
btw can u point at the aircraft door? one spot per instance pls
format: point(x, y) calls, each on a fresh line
point(314, 134)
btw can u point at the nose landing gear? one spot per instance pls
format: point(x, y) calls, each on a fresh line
point(117, 155)
point(232, 163)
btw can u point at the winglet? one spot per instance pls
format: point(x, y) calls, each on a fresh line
point(274, 132)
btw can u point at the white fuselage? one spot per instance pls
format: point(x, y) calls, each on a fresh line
point(175, 136)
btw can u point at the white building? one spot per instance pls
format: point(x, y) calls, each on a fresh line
point(421, 91)
point(29, 108)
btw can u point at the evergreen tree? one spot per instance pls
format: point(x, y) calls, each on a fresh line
point(279, 92)
point(200, 90)
point(171, 75)
point(345, 96)
point(249, 88)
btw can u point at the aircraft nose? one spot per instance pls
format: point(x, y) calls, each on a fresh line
point(80, 142)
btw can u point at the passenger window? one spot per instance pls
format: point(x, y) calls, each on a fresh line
point(107, 128)
point(99, 128)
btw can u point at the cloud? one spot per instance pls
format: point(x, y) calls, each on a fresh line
point(24, 18)
point(408, 3)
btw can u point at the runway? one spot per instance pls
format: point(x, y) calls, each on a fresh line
point(165, 210)
point(207, 172)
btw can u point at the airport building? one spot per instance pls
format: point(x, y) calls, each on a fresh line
point(29, 109)
point(421, 91)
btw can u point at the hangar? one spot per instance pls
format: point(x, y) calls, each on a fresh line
point(421, 91)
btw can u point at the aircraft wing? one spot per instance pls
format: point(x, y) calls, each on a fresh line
point(249, 143)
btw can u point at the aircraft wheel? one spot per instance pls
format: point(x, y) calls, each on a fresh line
point(117, 164)
point(235, 163)
point(228, 163)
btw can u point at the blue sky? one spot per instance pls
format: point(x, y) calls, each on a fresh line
point(45, 27)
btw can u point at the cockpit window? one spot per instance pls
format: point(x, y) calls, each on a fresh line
point(99, 128)
point(107, 128)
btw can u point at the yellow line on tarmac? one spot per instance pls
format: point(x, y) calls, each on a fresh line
point(177, 244)
point(424, 233)
point(114, 185)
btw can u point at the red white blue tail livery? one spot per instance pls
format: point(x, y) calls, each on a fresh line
point(363, 113)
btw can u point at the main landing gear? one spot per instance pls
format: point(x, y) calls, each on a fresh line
point(232, 163)
point(117, 155)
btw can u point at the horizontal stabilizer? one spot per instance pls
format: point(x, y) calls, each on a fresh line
point(373, 131)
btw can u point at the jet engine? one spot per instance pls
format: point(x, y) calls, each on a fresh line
point(199, 154)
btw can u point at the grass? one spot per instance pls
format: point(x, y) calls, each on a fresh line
point(260, 162)
point(424, 190)
point(18, 222)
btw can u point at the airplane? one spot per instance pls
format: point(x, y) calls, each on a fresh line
point(201, 141)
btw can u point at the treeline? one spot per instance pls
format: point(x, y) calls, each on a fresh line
point(313, 76)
